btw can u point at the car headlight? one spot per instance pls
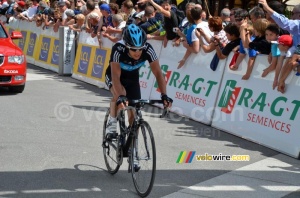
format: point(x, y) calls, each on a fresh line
point(16, 59)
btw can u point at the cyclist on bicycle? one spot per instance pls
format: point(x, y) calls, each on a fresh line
point(122, 74)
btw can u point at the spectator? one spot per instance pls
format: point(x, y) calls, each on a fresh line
point(107, 17)
point(10, 10)
point(203, 15)
point(70, 17)
point(233, 11)
point(233, 35)
point(91, 9)
point(79, 25)
point(114, 8)
point(170, 18)
point(30, 12)
point(272, 34)
point(119, 23)
point(259, 44)
point(256, 13)
point(62, 8)
point(215, 25)
point(225, 16)
point(192, 43)
point(293, 26)
point(184, 25)
point(151, 25)
point(127, 7)
point(285, 42)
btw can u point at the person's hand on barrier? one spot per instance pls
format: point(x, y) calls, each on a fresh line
point(105, 35)
point(165, 43)
point(181, 63)
point(281, 86)
point(109, 29)
point(99, 39)
point(246, 77)
point(233, 67)
point(275, 84)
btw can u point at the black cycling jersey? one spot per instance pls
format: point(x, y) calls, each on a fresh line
point(129, 66)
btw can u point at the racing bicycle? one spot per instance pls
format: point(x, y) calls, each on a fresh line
point(135, 142)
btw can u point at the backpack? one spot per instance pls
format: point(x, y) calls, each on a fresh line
point(179, 13)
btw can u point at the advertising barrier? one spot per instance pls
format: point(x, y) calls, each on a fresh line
point(250, 108)
point(253, 110)
point(194, 87)
point(91, 61)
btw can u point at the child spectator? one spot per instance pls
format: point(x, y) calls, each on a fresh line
point(285, 43)
point(233, 35)
point(272, 33)
point(260, 44)
point(78, 26)
point(242, 51)
point(296, 60)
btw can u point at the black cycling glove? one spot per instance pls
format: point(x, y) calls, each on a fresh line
point(165, 98)
point(121, 99)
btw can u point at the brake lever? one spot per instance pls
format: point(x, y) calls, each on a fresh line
point(165, 113)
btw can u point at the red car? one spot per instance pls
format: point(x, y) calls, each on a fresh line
point(12, 61)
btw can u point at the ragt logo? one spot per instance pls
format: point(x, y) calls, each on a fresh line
point(229, 96)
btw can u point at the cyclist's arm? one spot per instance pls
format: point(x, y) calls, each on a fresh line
point(115, 75)
point(156, 70)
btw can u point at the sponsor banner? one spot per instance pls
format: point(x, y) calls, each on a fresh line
point(84, 59)
point(44, 45)
point(31, 44)
point(93, 70)
point(253, 110)
point(100, 61)
point(146, 76)
point(23, 43)
point(55, 53)
point(194, 87)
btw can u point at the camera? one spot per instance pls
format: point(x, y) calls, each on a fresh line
point(175, 29)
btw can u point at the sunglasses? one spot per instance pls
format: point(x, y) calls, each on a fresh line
point(135, 49)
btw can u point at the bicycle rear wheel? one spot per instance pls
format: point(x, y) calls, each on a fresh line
point(143, 151)
point(111, 156)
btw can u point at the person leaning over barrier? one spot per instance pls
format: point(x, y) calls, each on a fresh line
point(233, 35)
point(293, 26)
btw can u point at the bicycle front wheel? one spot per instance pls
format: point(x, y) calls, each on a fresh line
point(111, 156)
point(143, 160)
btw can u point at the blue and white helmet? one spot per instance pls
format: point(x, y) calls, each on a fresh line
point(134, 36)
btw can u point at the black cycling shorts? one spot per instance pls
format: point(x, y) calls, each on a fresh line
point(132, 86)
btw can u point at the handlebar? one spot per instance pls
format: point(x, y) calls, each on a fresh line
point(141, 103)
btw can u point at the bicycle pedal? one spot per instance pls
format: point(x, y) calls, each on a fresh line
point(136, 168)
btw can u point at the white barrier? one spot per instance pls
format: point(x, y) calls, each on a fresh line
point(253, 110)
point(249, 109)
point(194, 87)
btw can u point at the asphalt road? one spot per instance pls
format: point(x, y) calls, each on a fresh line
point(50, 146)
